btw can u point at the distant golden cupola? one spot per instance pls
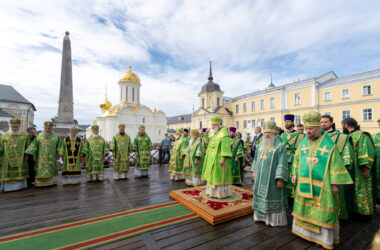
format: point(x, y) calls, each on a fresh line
point(106, 104)
point(130, 76)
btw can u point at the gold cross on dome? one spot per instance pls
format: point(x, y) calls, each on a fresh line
point(304, 149)
point(324, 150)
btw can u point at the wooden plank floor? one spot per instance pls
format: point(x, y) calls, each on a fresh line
point(39, 207)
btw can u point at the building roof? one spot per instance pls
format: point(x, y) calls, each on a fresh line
point(210, 86)
point(10, 94)
point(4, 114)
point(179, 119)
point(354, 77)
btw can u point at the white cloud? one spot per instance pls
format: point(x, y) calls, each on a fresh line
point(247, 39)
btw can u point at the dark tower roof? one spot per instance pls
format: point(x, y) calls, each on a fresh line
point(210, 86)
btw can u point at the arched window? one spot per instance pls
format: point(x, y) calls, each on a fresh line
point(200, 124)
point(133, 94)
point(143, 120)
point(218, 102)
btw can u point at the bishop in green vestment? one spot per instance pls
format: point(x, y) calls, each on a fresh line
point(365, 168)
point(270, 173)
point(193, 163)
point(14, 165)
point(142, 146)
point(177, 157)
point(217, 164)
point(291, 138)
point(72, 154)
point(317, 170)
point(95, 150)
point(343, 143)
point(121, 148)
point(237, 149)
point(376, 140)
point(46, 150)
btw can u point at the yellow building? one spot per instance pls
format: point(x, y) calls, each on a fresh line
point(355, 96)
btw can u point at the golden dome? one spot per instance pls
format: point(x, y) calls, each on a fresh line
point(129, 76)
point(105, 105)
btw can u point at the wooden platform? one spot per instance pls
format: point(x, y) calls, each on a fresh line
point(39, 207)
point(215, 211)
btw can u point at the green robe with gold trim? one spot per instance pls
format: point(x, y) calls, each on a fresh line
point(95, 149)
point(46, 150)
point(364, 189)
point(193, 152)
point(175, 163)
point(317, 165)
point(121, 147)
point(291, 141)
point(14, 167)
point(237, 149)
point(142, 145)
point(268, 168)
point(218, 148)
point(72, 151)
point(376, 140)
point(344, 145)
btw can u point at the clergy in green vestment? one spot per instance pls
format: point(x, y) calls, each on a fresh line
point(365, 168)
point(14, 165)
point(217, 164)
point(317, 171)
point(270, 173)
point(121, 147)
point(237, 149)
point(177, 157)
point(72, 154)
point(142, 146)
point(95, 150)
point(291, 138)
point(343, 143)
point(46, 150)
point(376, 140)
point(193, 162)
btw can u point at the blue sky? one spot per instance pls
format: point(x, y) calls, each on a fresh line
point(170, 43)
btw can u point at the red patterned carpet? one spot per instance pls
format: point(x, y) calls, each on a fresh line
point(212, 210)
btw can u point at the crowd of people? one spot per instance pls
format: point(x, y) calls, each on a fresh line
point(322, 174)
point(31, 159)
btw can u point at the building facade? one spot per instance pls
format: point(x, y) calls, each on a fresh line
point(130, 112)
point(17, 106)
point(355, 96)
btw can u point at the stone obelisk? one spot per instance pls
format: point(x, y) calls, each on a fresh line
point(65, 118)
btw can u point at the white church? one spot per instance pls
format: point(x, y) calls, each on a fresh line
point(130, 112)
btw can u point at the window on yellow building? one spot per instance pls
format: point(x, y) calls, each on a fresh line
point(328, 113)
point(244, 107)
point(327, 96)
point(237, 124)
point(218, 102)
point(367, 90)
point(200, 124)
point(273, 119)
point(203, 102)
point(345, 93)
point(253, 106)
point(262, 104)
point(297, 119)
point(253, 123)
point(245, 124)
point(367, 114)
point(262, 120)
point(346, 114)
point(272, 102)
point(237, 108)
point(297, 98)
